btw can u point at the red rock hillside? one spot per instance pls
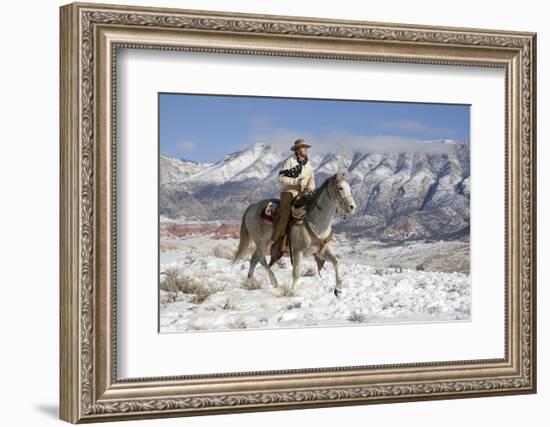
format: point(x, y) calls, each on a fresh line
point(219, 231)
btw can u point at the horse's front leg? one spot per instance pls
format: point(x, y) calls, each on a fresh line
point(328, 254)
point(297, 258)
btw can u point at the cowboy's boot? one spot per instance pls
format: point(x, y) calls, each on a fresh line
point(275, 237)
point(274, 247)
point(283, 248)
point(275, 251)
point(280, 247)
point(282, 217)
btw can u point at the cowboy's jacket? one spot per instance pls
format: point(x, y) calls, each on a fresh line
point(294, 173)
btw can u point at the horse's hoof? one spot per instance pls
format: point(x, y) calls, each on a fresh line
point(337, 292)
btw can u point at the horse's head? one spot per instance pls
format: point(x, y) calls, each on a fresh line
point(341, 190)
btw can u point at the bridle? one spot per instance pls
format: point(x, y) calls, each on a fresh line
point(339, 198)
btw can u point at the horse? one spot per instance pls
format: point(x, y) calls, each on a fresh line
point(311, 236)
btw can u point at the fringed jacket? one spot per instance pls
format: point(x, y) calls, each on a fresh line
point(293, 172)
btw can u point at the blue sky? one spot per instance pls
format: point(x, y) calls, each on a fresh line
point(204, 128)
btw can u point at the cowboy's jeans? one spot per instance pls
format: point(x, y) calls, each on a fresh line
point(282, 215)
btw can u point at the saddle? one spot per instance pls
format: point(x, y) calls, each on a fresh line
point(297, 213)
point(297, 216)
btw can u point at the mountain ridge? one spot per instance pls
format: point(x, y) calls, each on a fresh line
point(400, 195)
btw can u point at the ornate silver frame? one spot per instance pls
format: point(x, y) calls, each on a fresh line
point(90, 36)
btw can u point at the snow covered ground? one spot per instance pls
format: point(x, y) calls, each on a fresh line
point(417, 282)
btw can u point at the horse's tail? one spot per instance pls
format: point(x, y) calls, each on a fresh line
point(244, 240)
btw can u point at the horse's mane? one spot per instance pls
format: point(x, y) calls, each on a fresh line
point(311, 201)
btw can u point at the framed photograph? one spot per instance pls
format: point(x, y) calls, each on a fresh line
point(266, 212)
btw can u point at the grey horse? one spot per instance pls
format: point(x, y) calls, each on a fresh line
point(310, 237)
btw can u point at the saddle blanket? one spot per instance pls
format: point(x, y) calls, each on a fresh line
point(269, 211)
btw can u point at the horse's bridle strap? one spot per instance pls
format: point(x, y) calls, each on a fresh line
point(316, 238)
point(337, 195)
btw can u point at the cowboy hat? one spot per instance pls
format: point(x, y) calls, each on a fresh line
point(299, 143)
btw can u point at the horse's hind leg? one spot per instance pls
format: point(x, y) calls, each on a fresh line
point(253, 262)
point(262, 252)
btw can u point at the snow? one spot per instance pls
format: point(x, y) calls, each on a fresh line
point(173, 170)
point(378, 288)
point(263, 156)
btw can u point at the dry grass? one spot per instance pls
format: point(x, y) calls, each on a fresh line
point(237, 324)
point(229, 305)
point(309, 272)
point(197, 326)
point(357, 317)
point(169, 298)
point(176, 282)
point(223, 252)
point(285, 291)
point(250, 284)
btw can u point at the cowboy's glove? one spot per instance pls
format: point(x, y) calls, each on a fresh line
point(307, 193)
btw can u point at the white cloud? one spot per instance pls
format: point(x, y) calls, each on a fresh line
point(415, 126)
point(342, 141)
point(185, 146)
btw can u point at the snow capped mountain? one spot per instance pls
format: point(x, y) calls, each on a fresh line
point(408, 195)
point(253, 162)
point(176, 170)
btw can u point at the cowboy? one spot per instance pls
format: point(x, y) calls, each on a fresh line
point(297, 182)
